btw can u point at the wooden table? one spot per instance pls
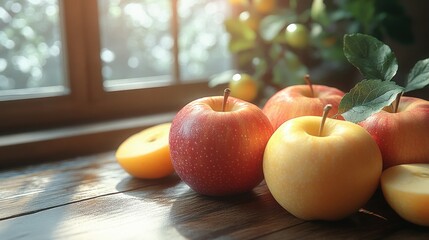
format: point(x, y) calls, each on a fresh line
point(93, 198)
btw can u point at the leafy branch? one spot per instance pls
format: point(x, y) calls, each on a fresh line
point(378, 65)
point(264, 48)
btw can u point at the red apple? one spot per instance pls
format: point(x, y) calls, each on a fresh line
point(301, 100)
point(217, 145)
point(403, 137)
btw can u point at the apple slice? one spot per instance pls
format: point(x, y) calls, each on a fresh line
point(147, 154)
point(406, 190)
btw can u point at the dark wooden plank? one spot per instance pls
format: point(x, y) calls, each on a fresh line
point(35, 195)
point(240, 217)
point(168, 210)
point(353, 228)
point(92, 198)
point(114, 216)
point(380, 223)
point(30, 189)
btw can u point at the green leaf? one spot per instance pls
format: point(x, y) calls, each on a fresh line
point(239, 30)
point(289, 70)
point(261, 68)
point(339, 15)
point(419, 76)
point(363, 11)
point(244, 58)
point(275, 51)
point(366, 98)
point(271, 25)
point(239, 45)
point(373, 58)
point(242, 36)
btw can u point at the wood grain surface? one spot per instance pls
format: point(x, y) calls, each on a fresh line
point(93, 198)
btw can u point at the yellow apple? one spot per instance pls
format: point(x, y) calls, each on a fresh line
point(297, 35)
point(321, 176)
point(244, 87)
point(147, 154)
point(406, 189)
point(250, 20)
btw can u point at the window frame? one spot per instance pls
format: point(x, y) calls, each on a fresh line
point(87, 100)
point(88, 119)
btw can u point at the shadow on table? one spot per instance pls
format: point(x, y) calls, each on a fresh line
point(241, 216)
point(257, 214)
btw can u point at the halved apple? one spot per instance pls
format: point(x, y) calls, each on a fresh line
point(406, 190)
point(147, 154)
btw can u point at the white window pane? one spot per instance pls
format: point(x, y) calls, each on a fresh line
point(30, 50)
point(136, 42)
point(203, 41)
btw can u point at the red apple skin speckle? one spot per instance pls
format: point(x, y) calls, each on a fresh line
point(219, 153)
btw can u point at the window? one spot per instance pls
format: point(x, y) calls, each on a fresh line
point(71, 63)
point(30, 63)
point(67, 62)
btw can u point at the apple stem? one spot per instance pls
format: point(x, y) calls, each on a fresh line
point(397, 100)
point(326, 110)
point(309, 83)
point(226, 94)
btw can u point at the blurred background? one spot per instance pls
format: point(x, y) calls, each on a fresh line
point(137, 40)
point(278, 42)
